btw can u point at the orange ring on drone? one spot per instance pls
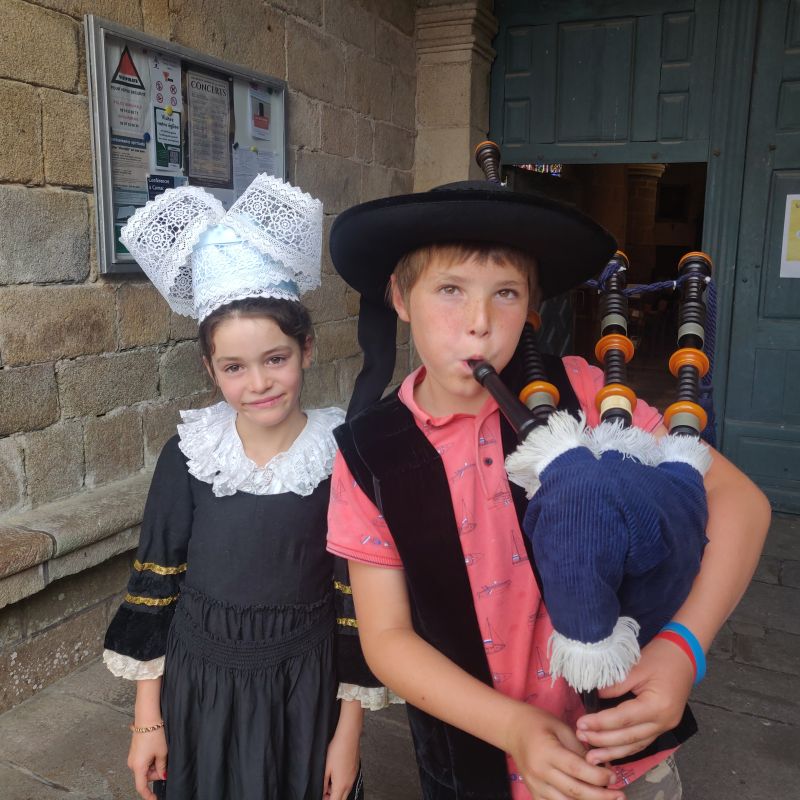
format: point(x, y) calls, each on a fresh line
point(689, 357)
point(615, 390)
point(535, 320)
point(614, 341)
point(696, 254)
point(686, 407)
point(540, 386)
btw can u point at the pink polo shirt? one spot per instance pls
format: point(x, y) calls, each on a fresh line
point(514, 622)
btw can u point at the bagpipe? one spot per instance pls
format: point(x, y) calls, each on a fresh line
point(616, 516)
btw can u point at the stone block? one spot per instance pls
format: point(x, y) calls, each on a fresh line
point(784, 537)
point(181, 327)
point(777, 651)
point(387, 741)
point(12, 627)
point(89, 516)
point(333, 179)
point(161, 420)
point(44, 323)
point(94, 554)
point(395, 47)
point(347, 370)
point(303, 121)
point(20, 123)
point(441, 155)
point(402, 182)
point(402, 366)
point(399, 13)
point(18, 784)
point(336, 340)
point(790, 574)
point(338, 131)
point(319, 387)
point(67, 596)
point(327, 302)
point(143, 316)
point(54, 465)
point(182, 371)
point(155, 18)
point(314, 63)
point(209, 26)
point(28, 398)
point(394, 147)
point(97, 384)
point(443, 95)
point(65, 132)
point(376, 181)
point(349, 20)
point(52, 244)
point(113, 445)
point(773, 607)
point(327, 263)
point(14, 588)
point(43, 659)
point(369, 85)
point(39, 46)
point(403, 332)
point(768, 570)
point(352, 302)
point(122, 11)
point(364, 139)
point(21, 549)
point(310, 10)
point(404, 100)
point(12, 474)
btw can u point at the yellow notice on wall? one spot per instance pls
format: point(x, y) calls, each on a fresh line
point(790, 244)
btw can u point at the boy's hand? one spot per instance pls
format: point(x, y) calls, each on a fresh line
point(551, 759)
point(661, 681)
point(342, 760)
point(147, 760)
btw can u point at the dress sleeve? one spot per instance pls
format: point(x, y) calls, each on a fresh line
point(135, 642)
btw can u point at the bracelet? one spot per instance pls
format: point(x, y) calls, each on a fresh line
point(146, 728)
point(681, 636)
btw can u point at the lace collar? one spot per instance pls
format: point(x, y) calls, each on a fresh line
point(211, 443)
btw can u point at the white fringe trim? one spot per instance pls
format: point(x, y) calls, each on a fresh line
point(686, 449)
point(595, 665)
point(563, 432)
point(633, 442)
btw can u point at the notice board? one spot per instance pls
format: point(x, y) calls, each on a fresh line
point(164, 116)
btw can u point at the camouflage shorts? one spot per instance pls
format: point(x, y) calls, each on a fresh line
point(662, 782)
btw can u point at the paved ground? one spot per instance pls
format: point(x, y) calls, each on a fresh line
point(69, 742)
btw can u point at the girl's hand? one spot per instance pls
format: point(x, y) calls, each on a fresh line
point(551, 759)
point(147, 760)
point(661, 681)
point(342, 761)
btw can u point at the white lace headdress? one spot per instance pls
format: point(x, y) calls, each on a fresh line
point(199, 257)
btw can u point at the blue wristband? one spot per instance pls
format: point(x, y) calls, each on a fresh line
point(694, 645)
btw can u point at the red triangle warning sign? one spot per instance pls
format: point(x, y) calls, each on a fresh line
point(126, 72)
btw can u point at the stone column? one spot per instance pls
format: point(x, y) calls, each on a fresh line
point(640, 229)
point(454, 58)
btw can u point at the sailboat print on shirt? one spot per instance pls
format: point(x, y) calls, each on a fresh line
point(471, 559)
point(492, 643)
point(485, 441)
point(501, 497)
point(541, 672)
point(624, 775)
point(493, 588)
point(466, 525)
point(518, 556)
point(459, 473)
point(337, 493)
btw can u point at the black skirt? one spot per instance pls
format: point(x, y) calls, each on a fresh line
point(249, 700)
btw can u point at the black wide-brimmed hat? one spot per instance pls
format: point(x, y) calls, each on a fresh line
point(369, 239)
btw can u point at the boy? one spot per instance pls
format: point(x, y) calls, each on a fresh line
point(449, 613)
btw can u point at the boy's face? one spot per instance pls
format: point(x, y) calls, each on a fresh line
point(467, 310)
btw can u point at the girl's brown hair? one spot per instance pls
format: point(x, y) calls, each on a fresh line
point(290, 316)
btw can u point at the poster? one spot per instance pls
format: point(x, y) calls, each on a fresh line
point(247, 164)
point(790, 241)
point(165, 82)
point(260, 114)
point(168, 149)
point(127, 93)
point(128, 181)
point(158, 184)
point(209, 124)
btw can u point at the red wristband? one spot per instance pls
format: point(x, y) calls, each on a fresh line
point(675, 638)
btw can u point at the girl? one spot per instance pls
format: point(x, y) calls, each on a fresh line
point(228, 622)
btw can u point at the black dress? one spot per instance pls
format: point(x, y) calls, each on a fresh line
point(238, 593)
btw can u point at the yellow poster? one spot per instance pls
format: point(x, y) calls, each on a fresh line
point(790, 245)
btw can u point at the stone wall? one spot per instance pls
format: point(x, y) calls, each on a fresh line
point(93, 369)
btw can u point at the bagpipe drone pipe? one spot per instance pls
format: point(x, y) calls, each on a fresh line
point(616, 516)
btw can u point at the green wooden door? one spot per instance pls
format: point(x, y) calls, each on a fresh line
point(762, 414)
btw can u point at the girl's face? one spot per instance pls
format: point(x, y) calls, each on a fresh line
point(259, 369)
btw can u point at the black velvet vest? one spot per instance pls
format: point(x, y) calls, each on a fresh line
point(400, 471)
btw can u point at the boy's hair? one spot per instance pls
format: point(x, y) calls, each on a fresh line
point(411, 266)
point(290, 316)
